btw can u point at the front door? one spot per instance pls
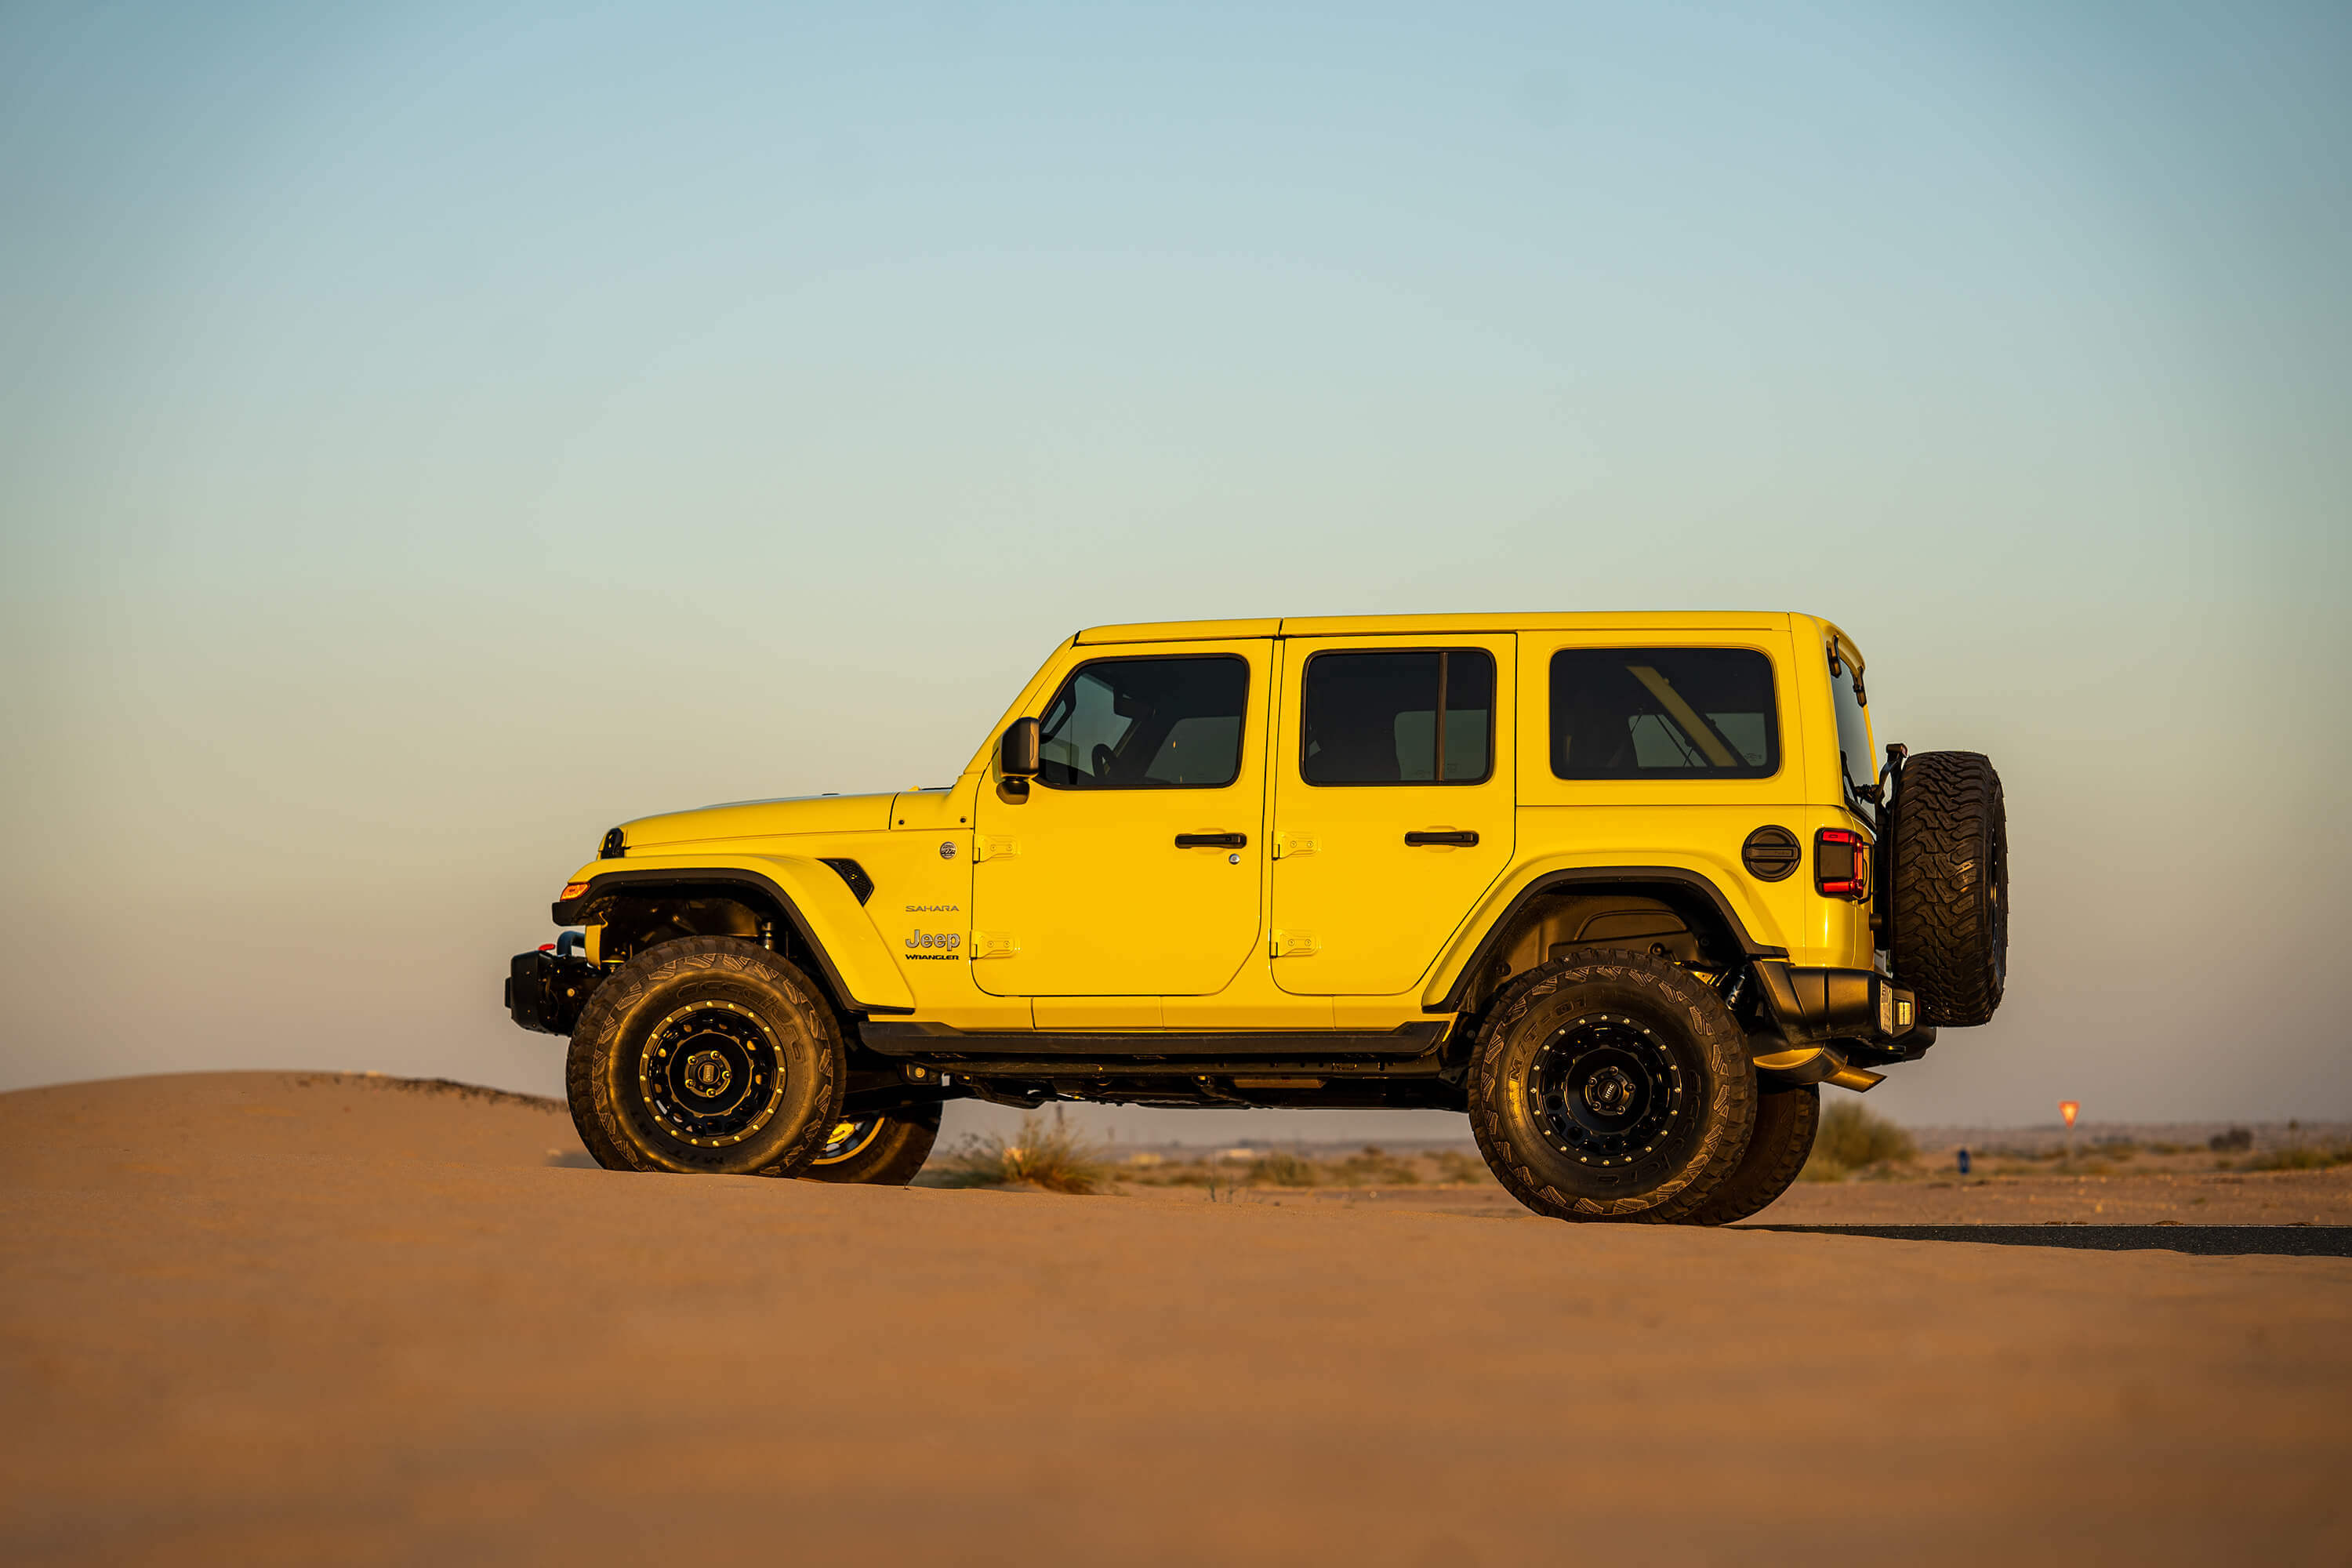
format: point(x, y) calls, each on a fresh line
point(1133, 868)
point(1394, 805)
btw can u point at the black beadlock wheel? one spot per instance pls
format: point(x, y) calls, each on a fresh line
point(1948, 883)
point(706, 1055)
point(884, 1149)
point(1785, 1122)
point(1611, 1086)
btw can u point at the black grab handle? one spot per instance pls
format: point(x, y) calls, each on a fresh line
point(1459, 838)
point(1211, 840)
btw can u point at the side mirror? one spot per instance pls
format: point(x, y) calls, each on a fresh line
point(1016, 758)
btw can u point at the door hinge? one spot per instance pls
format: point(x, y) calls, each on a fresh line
point(987, 848)
point(1288, 845)
point(994, 945)
point(1294, 944)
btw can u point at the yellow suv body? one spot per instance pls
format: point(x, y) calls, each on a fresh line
point(1296, 862)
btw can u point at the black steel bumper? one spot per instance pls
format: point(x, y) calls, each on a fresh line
point(1849, 1007)
point(545, 993)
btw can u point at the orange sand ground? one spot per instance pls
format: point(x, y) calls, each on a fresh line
point(261, 1317)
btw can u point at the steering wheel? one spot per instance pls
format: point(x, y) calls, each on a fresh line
point(1103, 760)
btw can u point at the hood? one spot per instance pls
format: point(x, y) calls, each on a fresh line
point(760, 819)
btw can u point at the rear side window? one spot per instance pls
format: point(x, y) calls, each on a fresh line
point(1427, 716)
point(1145, 723)
point(1663, 712)
point(1853, 726)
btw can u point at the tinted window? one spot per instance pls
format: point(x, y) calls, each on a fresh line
point(1375, 718)
point(1854, 726)
point(1663, 712)
point(1145, 723)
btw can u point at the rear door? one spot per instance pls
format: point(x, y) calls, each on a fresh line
point(1394, 804)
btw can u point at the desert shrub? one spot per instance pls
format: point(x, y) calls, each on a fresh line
point(1280, 1170)
point(1853, 1138)
point(1048, 1154)
point(2302, 1157)
point(2236, 1141)
point(1455, 1166)
point(1376, 1167)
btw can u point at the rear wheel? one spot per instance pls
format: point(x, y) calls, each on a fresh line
point(706, 1055)
point(882, 1149)
point(1786, 1121)
point(1948, 879)
point(1611, 1086)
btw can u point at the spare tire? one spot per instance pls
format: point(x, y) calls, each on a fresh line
point(1947, 880)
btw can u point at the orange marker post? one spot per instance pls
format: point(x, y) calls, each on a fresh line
point(2069, 1109)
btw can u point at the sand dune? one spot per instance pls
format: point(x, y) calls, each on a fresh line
point(265, 1318)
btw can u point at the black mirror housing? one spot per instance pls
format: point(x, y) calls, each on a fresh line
point(1016, 758)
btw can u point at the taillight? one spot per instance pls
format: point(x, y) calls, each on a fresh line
point(1842, 864)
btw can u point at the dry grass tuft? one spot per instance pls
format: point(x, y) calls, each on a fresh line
point(1280, 1170)
point(2302, 1157)
point(1457, 1169)
point(1853, 1138)
point(1050, 1155)
point(1376, 1167)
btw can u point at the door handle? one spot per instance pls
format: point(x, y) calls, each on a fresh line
point(1459, 838)
point(1211, 840)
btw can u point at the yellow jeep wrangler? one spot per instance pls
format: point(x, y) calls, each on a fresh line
point(1625, 889)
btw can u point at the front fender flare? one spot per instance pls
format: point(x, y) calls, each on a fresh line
point(823, 912)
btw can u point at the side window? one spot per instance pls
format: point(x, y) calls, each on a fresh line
point(1377, 717)
point(1663, 712)
point(1854, 726)
point(1145, 723)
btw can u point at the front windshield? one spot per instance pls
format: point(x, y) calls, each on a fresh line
point(1854, 726)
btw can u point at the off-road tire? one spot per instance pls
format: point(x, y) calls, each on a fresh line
point(1948, 882)
point(770, 1003)
point(1786, 1121)
point(1702, 1071)
point(887, 1157)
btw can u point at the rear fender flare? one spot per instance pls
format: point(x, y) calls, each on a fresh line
point(1481, 935)
point(821, 910)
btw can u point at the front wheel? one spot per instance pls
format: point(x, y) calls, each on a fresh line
point(709, 1056)
point(884, 1149)
point(1611, 1086)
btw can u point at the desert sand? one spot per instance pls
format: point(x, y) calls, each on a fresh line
point(261, 1317)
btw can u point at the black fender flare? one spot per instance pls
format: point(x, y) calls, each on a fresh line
point(1673, 879)
point(567, 911)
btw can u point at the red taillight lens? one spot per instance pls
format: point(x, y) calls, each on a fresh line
point(1842, 864)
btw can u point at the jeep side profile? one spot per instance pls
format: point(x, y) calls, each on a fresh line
point(1625, 889)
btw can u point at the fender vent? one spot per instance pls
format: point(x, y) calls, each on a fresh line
point(614, 846)
point(855, 875)
point(1771, 854)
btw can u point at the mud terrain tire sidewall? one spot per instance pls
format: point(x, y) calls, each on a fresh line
point(895, 1155)
point(1785, 1122)
point(773, 998)
point(1950, 887)
point(1711, 1128)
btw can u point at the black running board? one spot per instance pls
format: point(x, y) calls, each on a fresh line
point(895, 1038)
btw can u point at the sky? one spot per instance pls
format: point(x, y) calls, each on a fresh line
point(432, 434)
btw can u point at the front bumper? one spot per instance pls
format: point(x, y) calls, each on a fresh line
point(545, 993)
